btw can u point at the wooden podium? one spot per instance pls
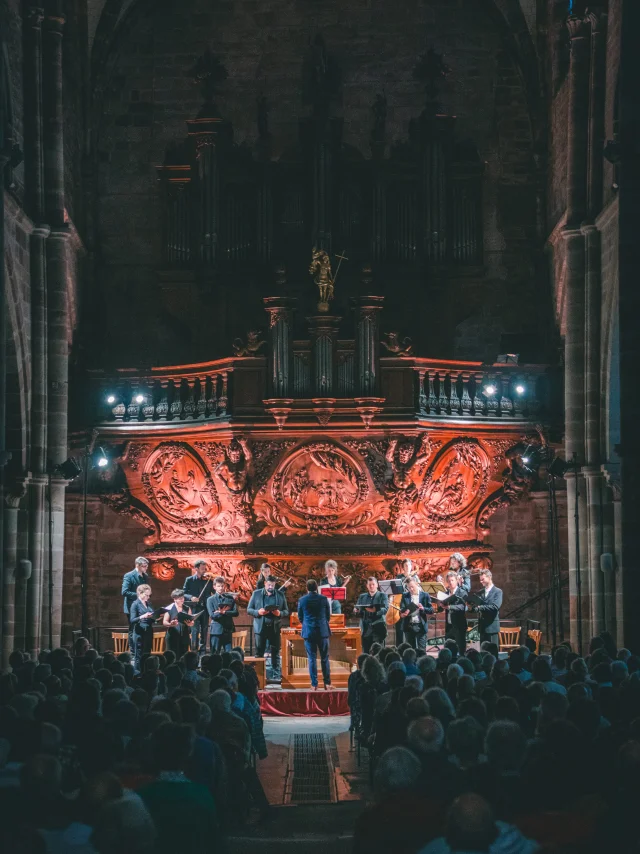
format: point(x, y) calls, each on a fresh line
point(345, 645)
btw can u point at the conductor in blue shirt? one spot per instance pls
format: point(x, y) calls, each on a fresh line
point(314, 612)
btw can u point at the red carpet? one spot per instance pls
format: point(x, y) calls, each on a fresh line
point(283, 703)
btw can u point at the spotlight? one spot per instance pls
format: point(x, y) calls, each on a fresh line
point(103, 460)
point(111, 398)
point(559, 467)
point(526, 460)
point(520, 389)
point(489, 390)
point(139, 398)
point(69, 469)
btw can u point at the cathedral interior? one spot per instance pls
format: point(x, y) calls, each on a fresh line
point(291, 280)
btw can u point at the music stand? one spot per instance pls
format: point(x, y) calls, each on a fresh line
point(337, 594)
point(391, 587)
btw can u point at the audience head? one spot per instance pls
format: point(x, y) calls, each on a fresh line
point(470, 824)
point(425, 735)
point(505, 746)
point(397, 770)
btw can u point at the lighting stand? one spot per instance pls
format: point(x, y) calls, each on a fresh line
point(576, 516)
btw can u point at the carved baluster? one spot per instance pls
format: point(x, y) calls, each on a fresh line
point(176, 403)
point(162, 407)
point(467, 403)
point(479, 400)
point(119, 409)
point(432, 400)
point(201, 407)
point(133, 409)
point(532, 386)
point(493, 398)
point(443, 400)
point(189, 410)
point(456, 405)
point(148, 405)
point(212, 398)
point(422, 397)
point(223, 400)
point(506, 405)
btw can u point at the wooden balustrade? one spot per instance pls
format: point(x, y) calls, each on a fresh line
point(178, 398)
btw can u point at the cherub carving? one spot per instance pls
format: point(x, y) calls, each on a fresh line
point(395, 346)
point(403, 463)
point(523, 460)
point(235, 471)
point(251, 347)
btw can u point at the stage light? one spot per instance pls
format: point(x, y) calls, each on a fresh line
point(139, 398)
point(103, 459)
point(526, 460)
point(559, 467)
point(489, 390)
point(111, 398)
point(520, 389)
point(69, 469)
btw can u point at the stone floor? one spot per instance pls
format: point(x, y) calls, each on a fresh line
point(307, 827)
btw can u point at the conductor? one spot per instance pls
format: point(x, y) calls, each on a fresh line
point(314, 612)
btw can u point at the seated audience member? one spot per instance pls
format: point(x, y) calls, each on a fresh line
point(471, 827)
point(171, 793)
point(465, 741)
point(541, 672)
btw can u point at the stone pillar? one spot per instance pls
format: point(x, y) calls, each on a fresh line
point(366, 311)
point(9, 564)
point(629, 308)
point(57, 302)
point(280, 311)
point(436, 134)
point(324, 339)
point(4, 159)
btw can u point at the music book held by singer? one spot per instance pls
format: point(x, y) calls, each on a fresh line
point(337, 593)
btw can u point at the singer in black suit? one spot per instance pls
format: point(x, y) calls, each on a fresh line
point(372, 607)
point(196, 590)
point(142, 620)
point(130, 583)
point(222, 609)
point(415, 607)
point(489, 610)
point(455, 606)
point(268, 607)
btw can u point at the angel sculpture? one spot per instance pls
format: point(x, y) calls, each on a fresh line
point(395, 346)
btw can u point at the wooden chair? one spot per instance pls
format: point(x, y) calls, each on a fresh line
point(120, 642)
point(536, 636)
point(509, 639)
point(240, 638)
point(158, 644)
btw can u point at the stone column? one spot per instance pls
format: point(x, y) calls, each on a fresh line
point(436, 134)
point(205, 132)
point(57, 303)
point(366, 311)
point(6, 628)
point(323, 329)
point(280, 311)
point(575, 312)
point(629, 308)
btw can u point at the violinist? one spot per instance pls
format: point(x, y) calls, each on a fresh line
point(196, 589)
point(332, 579)
point(222, 609)
point(177, 623)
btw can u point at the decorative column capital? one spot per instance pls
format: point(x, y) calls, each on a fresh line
point(578, 27)
point(34, 16)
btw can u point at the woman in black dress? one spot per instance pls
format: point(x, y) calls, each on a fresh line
point(141, 616)
point(332, 579)
point(178, 625)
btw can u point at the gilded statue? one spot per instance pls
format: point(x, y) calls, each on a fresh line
point(234, 471)
point(320, 269)
point(251, 348)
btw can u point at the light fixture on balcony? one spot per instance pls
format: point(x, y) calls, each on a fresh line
point(489, 390)
point(520, 389)
point(139, 398)
point(111, 398)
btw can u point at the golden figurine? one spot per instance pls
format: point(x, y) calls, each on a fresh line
point(320, 269)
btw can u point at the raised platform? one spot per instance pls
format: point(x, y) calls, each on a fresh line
point(284, 703)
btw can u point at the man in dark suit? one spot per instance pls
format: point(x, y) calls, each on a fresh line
point(222, 608)
point(268, 606)
point(196, 589)
point(489, 610)
point(455, 606)
point(372, 607)
point(415, 607)
point(314, 612)
point(130, 583)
